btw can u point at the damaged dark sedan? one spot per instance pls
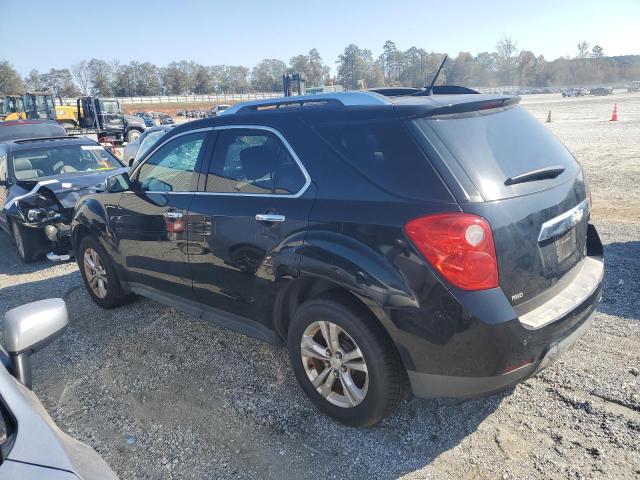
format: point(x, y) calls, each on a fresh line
point(40, 181)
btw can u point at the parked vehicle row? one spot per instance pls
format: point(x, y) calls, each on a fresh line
point(432, 243)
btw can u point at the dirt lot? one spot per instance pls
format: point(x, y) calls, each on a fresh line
point(163, 395)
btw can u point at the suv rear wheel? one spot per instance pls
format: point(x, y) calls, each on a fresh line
point(344, 362)
point(98, 275)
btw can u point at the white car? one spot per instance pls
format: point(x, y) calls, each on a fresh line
point(32, 447)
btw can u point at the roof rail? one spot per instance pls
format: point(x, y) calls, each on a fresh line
point(343, 99)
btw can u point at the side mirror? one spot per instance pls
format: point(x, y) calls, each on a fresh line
point(117, 183)
point(29, 328)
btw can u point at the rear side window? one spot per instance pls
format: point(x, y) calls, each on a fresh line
point(495, 145)
point(385, 153)
point(253, 161)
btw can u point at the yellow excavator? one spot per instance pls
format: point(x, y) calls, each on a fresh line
point(35, 105)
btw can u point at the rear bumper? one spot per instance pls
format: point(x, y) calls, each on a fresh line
point(427, 385)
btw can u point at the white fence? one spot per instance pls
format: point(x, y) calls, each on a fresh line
point(212, 99)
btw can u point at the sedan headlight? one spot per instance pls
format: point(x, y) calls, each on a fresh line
point(36, 214)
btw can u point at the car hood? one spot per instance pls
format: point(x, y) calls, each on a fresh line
point(66, 188)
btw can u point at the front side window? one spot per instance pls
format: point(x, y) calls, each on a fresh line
point(171, 167)
point(253, 161)
point(149, 141)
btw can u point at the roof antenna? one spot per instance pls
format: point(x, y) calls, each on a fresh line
point(429, 90)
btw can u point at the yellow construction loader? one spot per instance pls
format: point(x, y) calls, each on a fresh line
point(39, 105)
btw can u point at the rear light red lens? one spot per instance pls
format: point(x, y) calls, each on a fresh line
point(459, 246)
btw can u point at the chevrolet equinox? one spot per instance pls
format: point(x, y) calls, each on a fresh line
point(438, 244)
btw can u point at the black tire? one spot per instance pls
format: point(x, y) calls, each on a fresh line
point(115, 296)
point(132, 135)
point(28, 243)
point(387, 377)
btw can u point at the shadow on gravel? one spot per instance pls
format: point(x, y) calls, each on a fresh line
point(621, 280)
point(21, 293)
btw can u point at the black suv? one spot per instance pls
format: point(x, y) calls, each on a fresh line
point(439, 243)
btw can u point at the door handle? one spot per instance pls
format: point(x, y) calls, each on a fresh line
point(270, 217)
point(172, 215)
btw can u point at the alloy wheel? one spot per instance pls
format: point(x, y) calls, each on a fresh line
point(334, 364)
point(95, 273)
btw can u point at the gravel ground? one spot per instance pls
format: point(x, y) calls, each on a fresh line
point(162, 395)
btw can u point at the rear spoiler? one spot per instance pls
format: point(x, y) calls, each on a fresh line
point(466, 107)
point(436, 90)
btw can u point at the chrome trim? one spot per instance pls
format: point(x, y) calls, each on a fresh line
point(348, 99)
point(564, 222)
point(172, 215)
point(269, 217)
point(582, 287)
point(292, 152)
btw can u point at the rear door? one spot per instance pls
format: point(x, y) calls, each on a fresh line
point(151, 220)
point(508, 168)
point(248, 221)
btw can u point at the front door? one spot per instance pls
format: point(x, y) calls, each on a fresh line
point(248, 222)
point(151, 221)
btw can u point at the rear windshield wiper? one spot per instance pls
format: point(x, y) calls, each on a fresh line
point(533, 175)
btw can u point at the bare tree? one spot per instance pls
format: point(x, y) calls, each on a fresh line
point(80, 72)
point(583, 49)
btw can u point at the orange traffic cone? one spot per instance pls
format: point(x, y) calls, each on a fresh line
point(614, 115)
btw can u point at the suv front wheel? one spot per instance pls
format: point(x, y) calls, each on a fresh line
point(344, 362)
point(98, 274)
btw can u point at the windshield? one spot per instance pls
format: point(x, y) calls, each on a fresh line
point(43, 161)
point(492, 146)
point(148, 142)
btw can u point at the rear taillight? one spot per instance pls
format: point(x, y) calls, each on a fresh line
point(459, 246)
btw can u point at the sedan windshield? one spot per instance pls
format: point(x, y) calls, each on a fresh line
point(39, 162)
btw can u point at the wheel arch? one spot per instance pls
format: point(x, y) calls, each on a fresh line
point(90, 218)
point(307, 288)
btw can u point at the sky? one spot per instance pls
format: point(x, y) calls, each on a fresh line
point(243, 32)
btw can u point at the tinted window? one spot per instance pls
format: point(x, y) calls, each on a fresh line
point(495, 145)
point(386, 154)
point(252, 161)
point(171, 167)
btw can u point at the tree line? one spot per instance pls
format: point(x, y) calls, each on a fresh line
point(355, 68)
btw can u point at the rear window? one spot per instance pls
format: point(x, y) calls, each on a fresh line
point(495, 145)
point(19, 131)
point(385, 153)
